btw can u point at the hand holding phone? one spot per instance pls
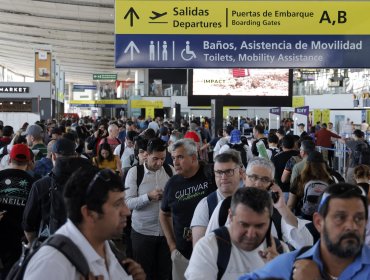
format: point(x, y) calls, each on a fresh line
point(275, 196)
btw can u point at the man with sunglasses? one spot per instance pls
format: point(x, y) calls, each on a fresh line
point(97, 212)
point(193, 181)
point(149, 244)
point(340, 253)
point(228, 169)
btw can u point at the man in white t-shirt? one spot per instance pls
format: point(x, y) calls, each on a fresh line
point(228, 173)
point(127, 155)
point(246, 243)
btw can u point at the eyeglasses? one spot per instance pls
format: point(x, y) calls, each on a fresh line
point(254, 178)
point(227, 172)
point(356, 189)
point(104, 175)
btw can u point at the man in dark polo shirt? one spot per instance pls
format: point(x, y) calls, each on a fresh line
point(181, 195)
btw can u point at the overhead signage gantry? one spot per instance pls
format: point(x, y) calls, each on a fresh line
point(254, 34)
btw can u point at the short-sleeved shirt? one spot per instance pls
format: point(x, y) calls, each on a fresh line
point(42, 151)
point(15, 186)
point(281, 267)
point(201, 214)
point(180, 197)
point(113, 142)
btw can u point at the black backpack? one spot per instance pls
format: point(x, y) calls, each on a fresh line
point(224, 249)
point(362, 153)
point(224, 212)
point(4, 152)
point(212, 202)
point(57, 212)
point(140, 173)
point(60, 242)
point(243, 153)
point(65, 246)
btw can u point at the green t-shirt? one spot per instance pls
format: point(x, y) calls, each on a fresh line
point(40, 151)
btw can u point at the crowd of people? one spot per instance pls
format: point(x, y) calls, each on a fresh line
point(153, 199)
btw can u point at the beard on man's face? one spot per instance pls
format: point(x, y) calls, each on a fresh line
point(349, 244)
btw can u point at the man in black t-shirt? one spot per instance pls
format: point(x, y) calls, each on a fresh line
point(181, 195)
point(280, 161)
point(15, 185)
point(258, 134)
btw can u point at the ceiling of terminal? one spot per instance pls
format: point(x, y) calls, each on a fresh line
point(80, 34)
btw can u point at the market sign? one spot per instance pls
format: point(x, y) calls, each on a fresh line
point(12, 89)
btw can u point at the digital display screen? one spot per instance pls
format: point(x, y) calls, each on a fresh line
point(241, 87)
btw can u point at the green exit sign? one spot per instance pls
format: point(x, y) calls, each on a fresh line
point(104, 76)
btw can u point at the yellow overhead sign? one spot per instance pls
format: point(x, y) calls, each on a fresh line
point(146, 103)
point(106, 102)
point(242, 17)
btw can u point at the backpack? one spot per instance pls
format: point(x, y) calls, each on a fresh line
point(4, 152)
point(57, 213)
point(243, 153)
point(60, 242)
point(224, 249)
point(212, 202)
point(140, 173)
point(65, 246)
point(224, 212)
point(362, 153)
point(312, 192)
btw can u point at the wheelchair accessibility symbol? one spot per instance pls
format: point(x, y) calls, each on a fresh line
point(187, 54)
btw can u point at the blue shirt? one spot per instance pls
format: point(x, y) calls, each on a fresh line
point(281, 266)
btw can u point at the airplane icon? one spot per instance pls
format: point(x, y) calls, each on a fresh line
point(157, 15)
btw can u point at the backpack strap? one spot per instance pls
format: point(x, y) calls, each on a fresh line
point(276, 220)
point(122, 149)
point(312, 229)
point(139, 175)
point(120, 255)
point(224, 211)
point(224, 250)
point(212, 202)
point(300, 252)
point(70, 250)
point(279, 246)
point(168, 169)
point(132, 159)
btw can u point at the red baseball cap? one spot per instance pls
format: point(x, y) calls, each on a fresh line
point(20, 152)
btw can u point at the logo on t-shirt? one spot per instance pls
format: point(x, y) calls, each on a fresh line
point(192, 192)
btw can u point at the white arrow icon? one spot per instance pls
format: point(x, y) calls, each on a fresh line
point(131, 47)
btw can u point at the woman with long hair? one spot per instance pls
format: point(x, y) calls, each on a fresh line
point(106, 159)
point(314, 169)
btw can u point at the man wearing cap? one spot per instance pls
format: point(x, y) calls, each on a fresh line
point(34, 140)
point(236, 144)
point(46, 193)
point(15, 185)
point(302, 132)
